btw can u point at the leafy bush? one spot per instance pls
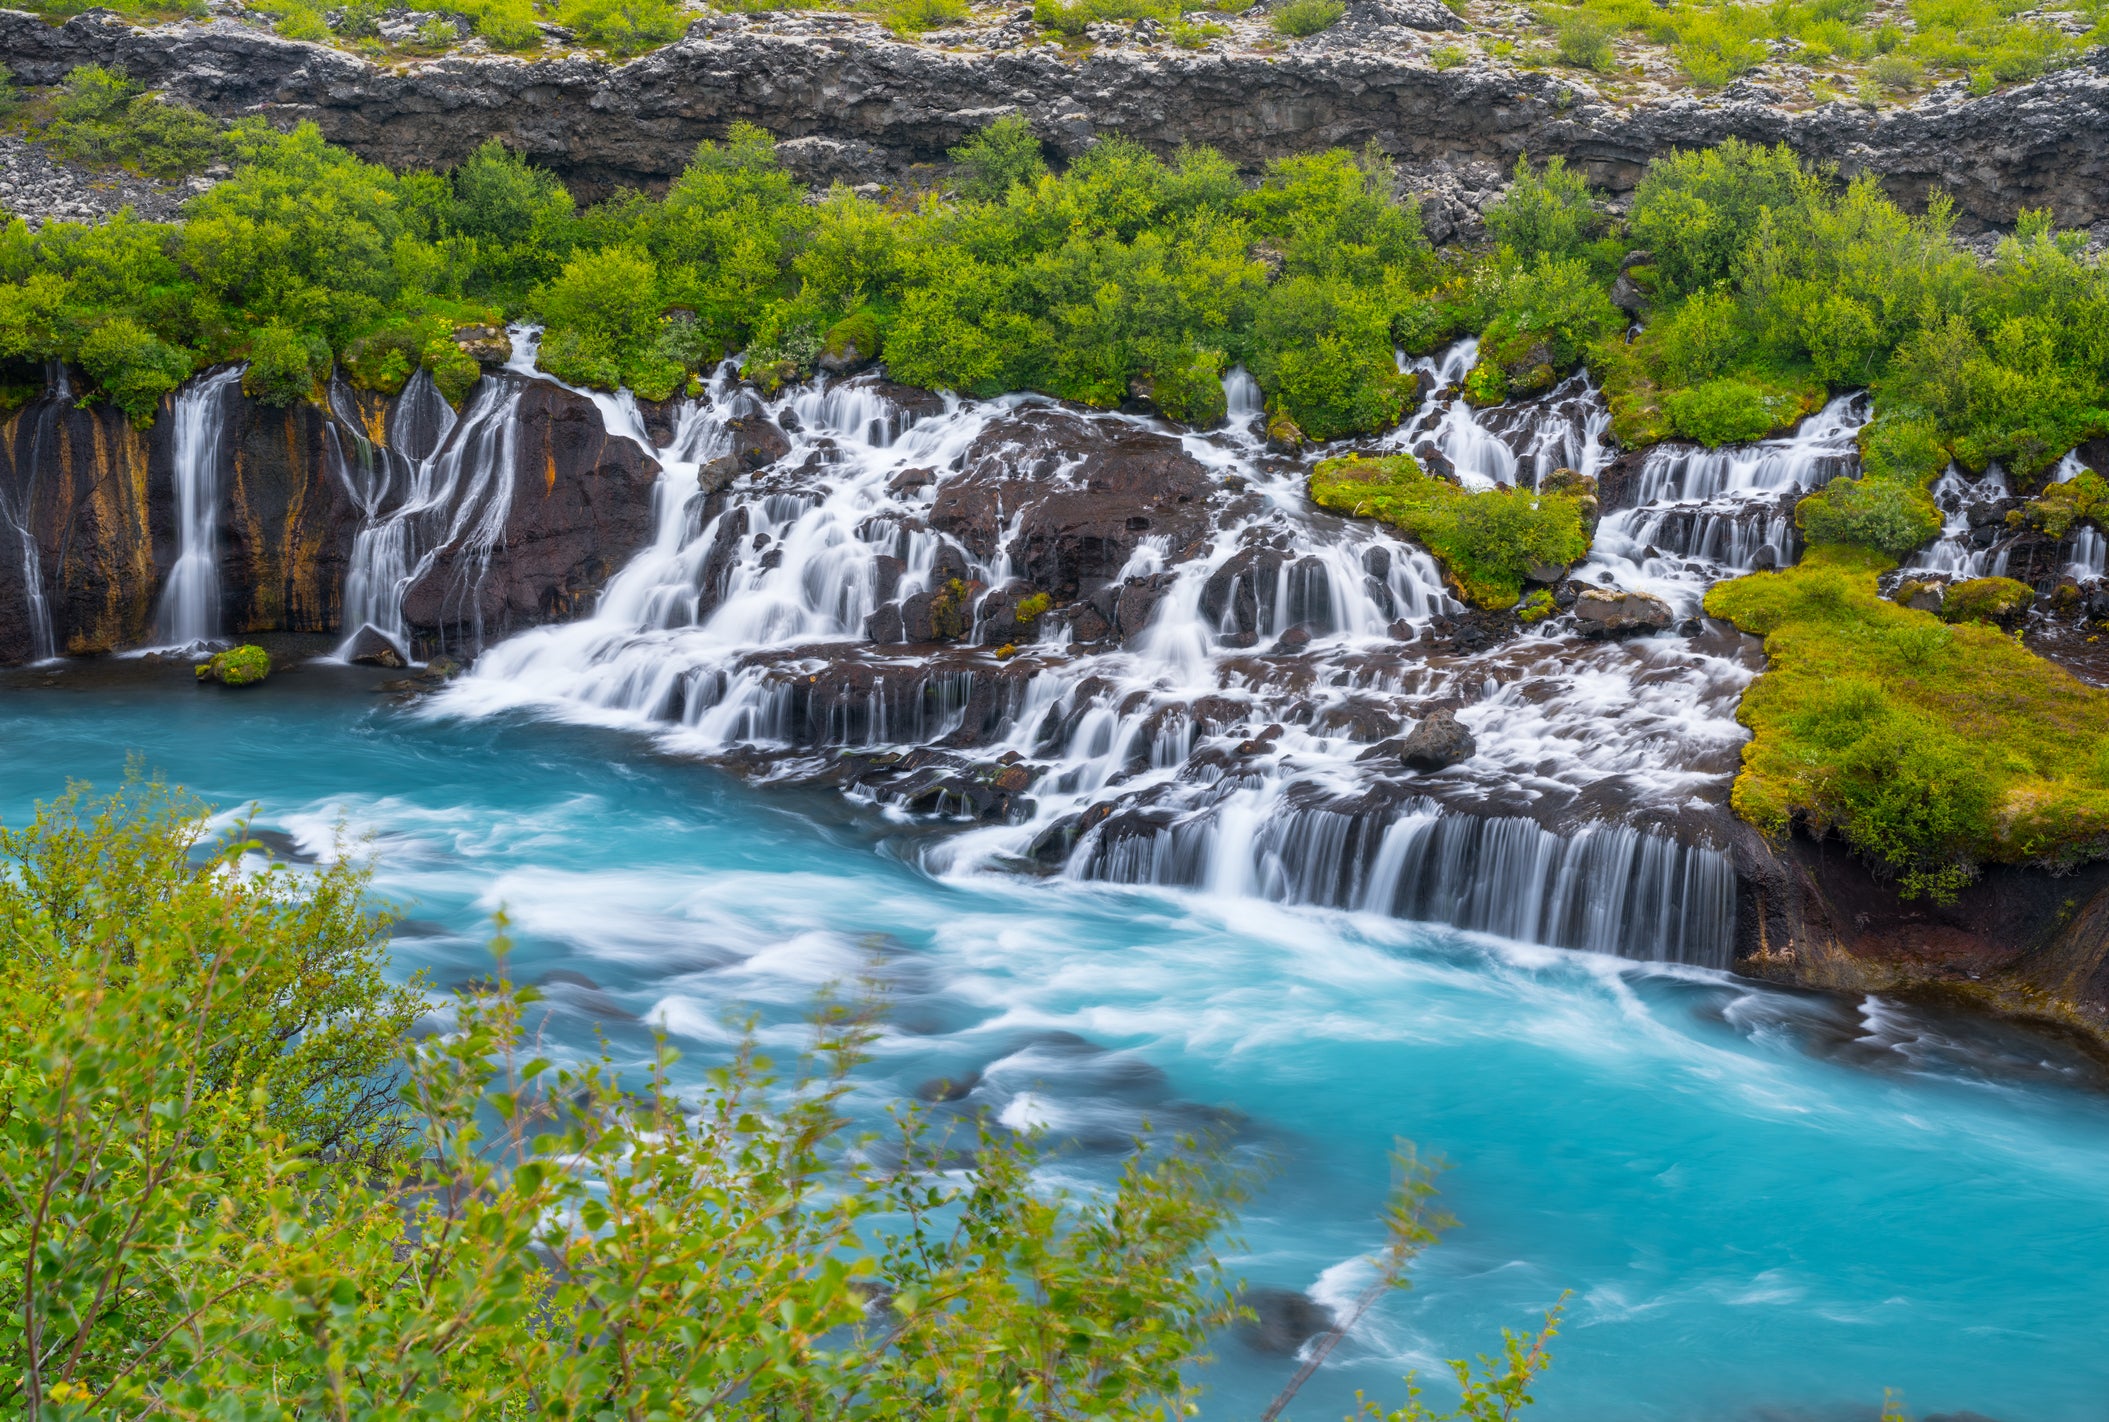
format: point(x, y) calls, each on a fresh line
point(1549, 214)
point(1728, 411)
point(1301, 18)
point(1004, 153)
point(134, 367)
point(1584, 41)
point(453, 370)
point(603, 308)
point(101, 117)
point(1487, 542)
point(914, 17)
point(1194, 34)
point(2082, 499)
point(285, 364)
point(233, 1213)
point(623, 27)
point(1325, 356)
point(1929, 753)
point(1898, 73)
point(1882, 514)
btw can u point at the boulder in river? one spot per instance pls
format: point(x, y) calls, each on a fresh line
point(1437, 743)
point(1282, 1321)
point(371, 648)
point(1613, 612)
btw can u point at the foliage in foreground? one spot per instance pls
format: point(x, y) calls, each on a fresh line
point(1930, 748)
point(212, 1214)
point(1488, 542)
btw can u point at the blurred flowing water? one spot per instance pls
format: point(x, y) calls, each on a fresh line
point(1767, 1205)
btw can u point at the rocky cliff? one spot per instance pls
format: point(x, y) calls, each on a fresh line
point(859, 106)
point(88, 521)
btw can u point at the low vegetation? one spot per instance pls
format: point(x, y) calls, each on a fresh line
point(237, 666)
point(1931, 748)
point(221, 1205)
point(1487, 542)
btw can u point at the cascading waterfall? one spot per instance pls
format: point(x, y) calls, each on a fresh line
point(189, 611)
point(1219, 750)
point(1956, 553)
point(439, 482)
point(43, 640)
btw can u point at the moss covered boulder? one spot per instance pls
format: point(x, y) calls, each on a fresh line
point(1999, 601)
point(1930, 748)
point(1490, 543)
point(237, 666)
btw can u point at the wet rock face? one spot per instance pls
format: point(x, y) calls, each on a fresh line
point(1072, 498)
point(581, 506)
point(97, 501)
point(74, 496)
point(857, 106)
point(286, 521)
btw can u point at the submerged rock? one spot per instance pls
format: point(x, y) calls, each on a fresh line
point(1437, 743)
point(1283, 1320)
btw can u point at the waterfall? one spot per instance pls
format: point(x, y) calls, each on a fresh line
point(1216, 709)
point(17, 512)
point(438, 483)
point(1955, 553)
point(189, 611)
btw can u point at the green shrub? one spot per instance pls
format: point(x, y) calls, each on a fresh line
point(1004, 153)
point(914, 17)
point(1536, 607)
point(1727, 411)
point(453, 370)
point(1930, 749)
point(101, 117)
point(1881, 514)
point(1301, 18)
point(1325, 356)
point(1188, 385)
point(237, 666)
point(1584, 42)
point(1487, 542)
point(1997, 600)
point(1544, 215)
point(2081, 499)
point(134, 367)
point(603, 312)
point(1192, 34)
point(285, 364)
point(1449, 56)
point(1898, 73)
point(623, 27)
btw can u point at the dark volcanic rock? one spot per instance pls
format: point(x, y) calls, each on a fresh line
point(1083, 494)
point(581, 506)
point(1283, 1320)
point(1437, 743)
point(857, 105)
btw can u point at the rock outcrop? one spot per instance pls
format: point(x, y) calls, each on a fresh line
point(859, 106)
point(87, 509)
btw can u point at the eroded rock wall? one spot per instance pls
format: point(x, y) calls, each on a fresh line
point(860, 106)
point(97, 501)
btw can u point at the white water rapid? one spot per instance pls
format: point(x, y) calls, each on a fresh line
point(189, 611)
point(1217, 709)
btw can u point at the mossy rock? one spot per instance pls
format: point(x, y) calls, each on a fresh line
point(1931, 749)
point(1490, 543)
point(2000, 601)
point(850, 344)
point(237, 666)
point(1284, 435)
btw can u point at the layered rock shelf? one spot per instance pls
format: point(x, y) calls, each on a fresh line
point(858, 106)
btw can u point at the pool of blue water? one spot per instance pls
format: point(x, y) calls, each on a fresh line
point(1763, 1204)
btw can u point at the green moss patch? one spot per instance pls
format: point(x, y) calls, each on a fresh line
point(237, 666)
point(1487, 542)
point(1931, 748)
